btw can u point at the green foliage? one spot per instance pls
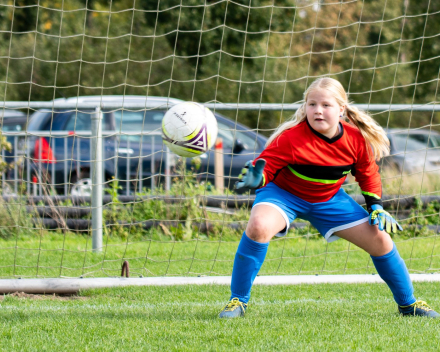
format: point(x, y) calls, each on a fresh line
point(118, 215)
point(238, 51)
point(201, 29)
point(422, 216)
point(15, 220)
point(188, 218)
point(4, 145)
point(13, 216)
point(422, 30)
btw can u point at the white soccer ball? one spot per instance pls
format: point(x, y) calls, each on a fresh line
point(189, 129)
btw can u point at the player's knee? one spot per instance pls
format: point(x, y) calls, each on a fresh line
point(383, 243)
point(258, 229)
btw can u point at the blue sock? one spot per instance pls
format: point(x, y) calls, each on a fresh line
point(248, 260)
point(393, 271)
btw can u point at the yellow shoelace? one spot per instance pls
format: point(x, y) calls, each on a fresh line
point(234, 304)
point(421, 305)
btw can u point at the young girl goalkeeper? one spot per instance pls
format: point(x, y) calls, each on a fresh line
point(300, 174)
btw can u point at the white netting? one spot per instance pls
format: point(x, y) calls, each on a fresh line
point(248, 60)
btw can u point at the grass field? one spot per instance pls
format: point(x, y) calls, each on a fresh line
point(55, 254)
point(331, 317)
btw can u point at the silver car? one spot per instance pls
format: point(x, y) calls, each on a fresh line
point(413, 151)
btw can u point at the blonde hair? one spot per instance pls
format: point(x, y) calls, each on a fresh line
point(373, 134)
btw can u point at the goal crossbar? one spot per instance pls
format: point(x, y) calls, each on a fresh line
point(214, 106)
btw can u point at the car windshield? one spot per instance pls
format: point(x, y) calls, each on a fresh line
point(137, 121)
point(433, 139)
point(404, 144)
point(78, 121)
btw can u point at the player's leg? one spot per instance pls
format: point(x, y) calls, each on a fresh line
point(264, 223)
point(369, 238)
point(390, 266)
point(273, 211)
point(342, 217)
point(386, 259)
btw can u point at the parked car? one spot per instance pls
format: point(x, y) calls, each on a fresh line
point(413, 151)
point(430, 138)
point(13, 121)
point(66, 160)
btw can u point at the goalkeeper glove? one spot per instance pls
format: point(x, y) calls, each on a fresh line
point(383, 219)
point(251, 176)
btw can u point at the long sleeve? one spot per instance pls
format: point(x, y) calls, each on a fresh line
point(366, 173)
point(277, 155)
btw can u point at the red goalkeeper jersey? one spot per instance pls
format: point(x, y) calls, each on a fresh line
point(313, 167)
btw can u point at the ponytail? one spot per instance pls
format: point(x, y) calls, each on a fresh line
point(373, 134)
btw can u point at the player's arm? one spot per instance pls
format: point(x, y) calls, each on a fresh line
point(259, 172)
point(366, 173)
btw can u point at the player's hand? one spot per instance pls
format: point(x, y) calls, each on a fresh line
point(383, 219)
point(251, 176)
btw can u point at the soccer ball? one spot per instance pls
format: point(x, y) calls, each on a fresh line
point(189, 129)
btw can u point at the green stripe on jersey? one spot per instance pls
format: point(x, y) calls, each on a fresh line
point(311, 179)
point(371, 194)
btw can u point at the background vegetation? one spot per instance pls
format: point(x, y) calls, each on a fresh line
point(230, 51)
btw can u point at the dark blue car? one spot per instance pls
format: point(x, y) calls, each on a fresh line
point(59, 143)
point(13, 121)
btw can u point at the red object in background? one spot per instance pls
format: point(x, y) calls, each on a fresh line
point(219, 144)
point(46, 155)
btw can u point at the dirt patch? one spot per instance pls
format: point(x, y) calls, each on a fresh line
point(53, 297)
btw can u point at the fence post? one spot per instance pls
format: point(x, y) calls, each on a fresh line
point(218, 166)
point(96, 165)
point(167, 169)
point(3, 174)
point(15, 165)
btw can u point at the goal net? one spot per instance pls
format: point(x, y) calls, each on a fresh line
point(84, 86)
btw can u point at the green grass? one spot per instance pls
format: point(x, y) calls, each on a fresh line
point(69, 255)
point(331, 317)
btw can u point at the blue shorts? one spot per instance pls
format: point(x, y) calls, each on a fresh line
point(338, 213)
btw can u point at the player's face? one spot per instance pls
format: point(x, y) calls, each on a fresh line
point(323, 112)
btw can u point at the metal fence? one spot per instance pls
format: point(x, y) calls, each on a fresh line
point(433, 106)
point(97, 153)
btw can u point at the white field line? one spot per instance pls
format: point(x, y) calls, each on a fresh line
point(49, 305)
point(61, 285)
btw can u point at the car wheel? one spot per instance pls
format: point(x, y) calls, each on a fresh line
point(82, 187)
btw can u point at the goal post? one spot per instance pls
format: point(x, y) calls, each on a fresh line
point(81, 195)
point(74, 286)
